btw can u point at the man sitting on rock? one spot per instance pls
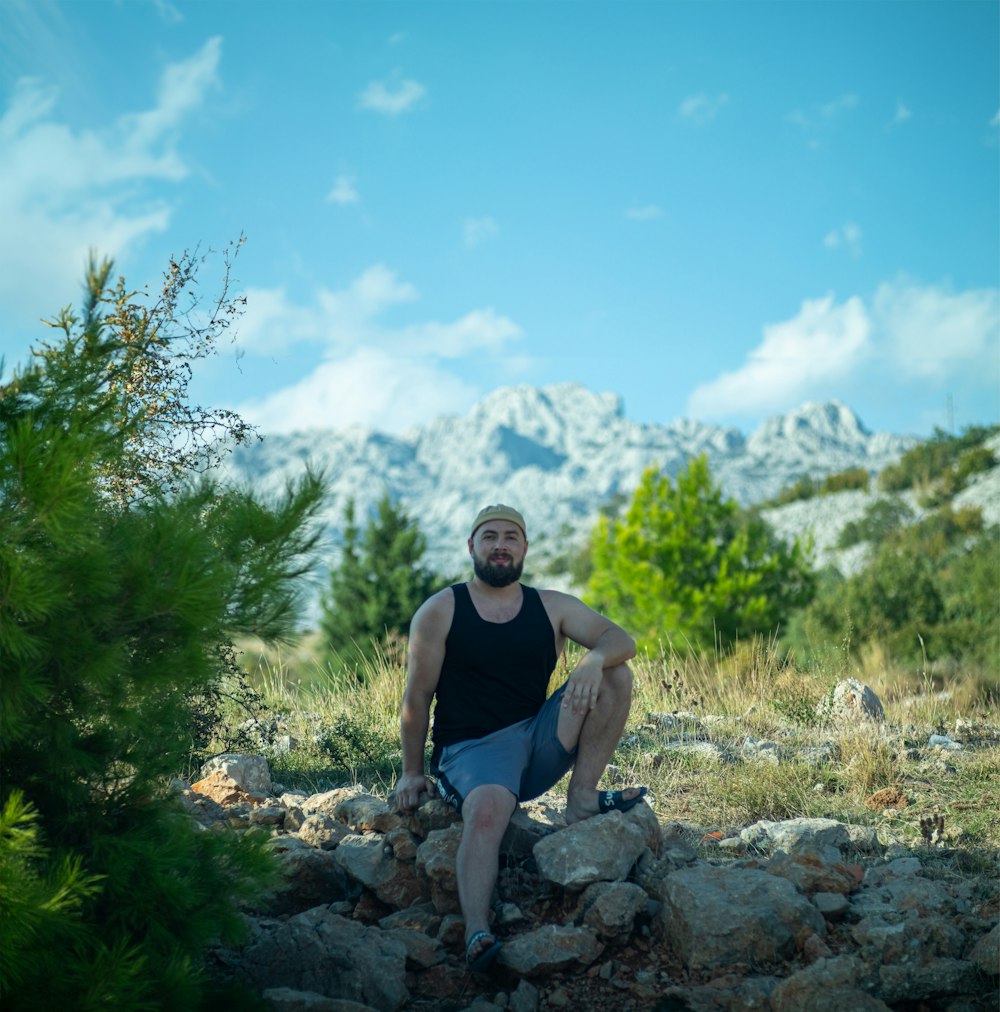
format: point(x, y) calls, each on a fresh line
point(486, 650)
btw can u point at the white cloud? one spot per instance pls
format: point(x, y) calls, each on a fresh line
point(169, 14)
point(374, 374)
point(482, 329)
point(343, 191)
point(645, 213)
point(996, 119)
point(336, 320)
point(476, 231)
point(702, 108)
point(65, 192)
point(931, 331)
point(391, 97)
point(796, 359)
point(909, 336)
point(824, 115)
point(903, 112)
point(369, 387)
point(847, 236)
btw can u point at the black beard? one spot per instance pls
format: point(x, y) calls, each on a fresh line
point(497, 576)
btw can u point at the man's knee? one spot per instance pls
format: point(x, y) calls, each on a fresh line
point(488, 809)
point(619, 680)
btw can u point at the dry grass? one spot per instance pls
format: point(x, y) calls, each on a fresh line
point(695, 726)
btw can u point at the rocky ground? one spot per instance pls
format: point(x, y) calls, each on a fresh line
point(622, 911)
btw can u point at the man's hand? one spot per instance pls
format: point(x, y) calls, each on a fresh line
point(584, 685)
point(411, 790)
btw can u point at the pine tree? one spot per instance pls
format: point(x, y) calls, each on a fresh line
point(378, 584)
point(119, 581)
point(686, 565)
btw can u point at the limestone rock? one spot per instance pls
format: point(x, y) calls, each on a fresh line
point(828, 985)
point(716, 917)
point(364, 859)
point(602, 848)
point(550, 949)
point(322, 831)
point(250, 773)
point(985, 953)
point(610, 908)
point(851, 701)
point(325, 953)
point(285, 999)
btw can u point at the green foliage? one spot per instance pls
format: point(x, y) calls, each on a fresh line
point(855, 478)
point(880, 519)
point(928, 594)
point(942, 465)
point(118, 585)
point(807, 487)
point(378, 584)
point(687, 565)
point(801, 489)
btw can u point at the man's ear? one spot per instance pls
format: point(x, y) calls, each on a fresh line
point(470, 546)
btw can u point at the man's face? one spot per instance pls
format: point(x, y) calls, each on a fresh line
point(498, 549)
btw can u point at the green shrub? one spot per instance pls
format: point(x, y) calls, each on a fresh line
point(119, 582)
point(944, 462)
point(880, 519)
point(856, 478)
point(685, 564)
point(928, 594)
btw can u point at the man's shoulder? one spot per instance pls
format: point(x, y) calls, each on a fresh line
point(557, 598)
point(438, 607)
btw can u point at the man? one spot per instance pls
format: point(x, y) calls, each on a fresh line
point(486, 650)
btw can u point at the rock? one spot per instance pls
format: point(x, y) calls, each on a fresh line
point(927, 980)
point(610, 908)
point(530, 823)
point(395, 883)
point(549, 949)
point(322, 831)
point(268, 815)
point(309, 877)
point(249, 772)
point(524, 998)
point(436, 862)
point(716, 917)
point(851, 701)
point(421, 951)
point(324, 953)
point(832, 906)
point(985, 953)
point(794, 834)
point(602, 848)
point(816, 870)
point(433, 814)
point(285, 999)
point(221, 788)
point(828, 985)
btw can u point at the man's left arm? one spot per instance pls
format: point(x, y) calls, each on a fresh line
point(608, 645)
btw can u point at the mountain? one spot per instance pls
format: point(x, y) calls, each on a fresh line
point(558, 453)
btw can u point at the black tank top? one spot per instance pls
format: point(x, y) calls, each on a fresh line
point(494, 673)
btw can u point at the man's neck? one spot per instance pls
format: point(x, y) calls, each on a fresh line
point(509, 593)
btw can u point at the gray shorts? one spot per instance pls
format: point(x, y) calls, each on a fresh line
point(527, 758)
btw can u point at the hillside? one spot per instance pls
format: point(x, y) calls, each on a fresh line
point(559, 453)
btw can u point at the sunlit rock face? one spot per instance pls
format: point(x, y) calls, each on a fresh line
point(558, 453)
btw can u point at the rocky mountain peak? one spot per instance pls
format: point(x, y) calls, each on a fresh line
point(558, 453)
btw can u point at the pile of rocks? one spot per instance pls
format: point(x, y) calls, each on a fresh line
point(616, 912)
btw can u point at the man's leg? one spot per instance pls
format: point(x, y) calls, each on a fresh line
point(595, 734)
point(485, 815)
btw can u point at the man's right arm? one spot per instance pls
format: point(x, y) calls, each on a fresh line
point(425, 655)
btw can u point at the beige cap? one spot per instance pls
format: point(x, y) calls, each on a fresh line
point(499, 512)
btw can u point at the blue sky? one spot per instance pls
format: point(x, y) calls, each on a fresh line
point(716, 210)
